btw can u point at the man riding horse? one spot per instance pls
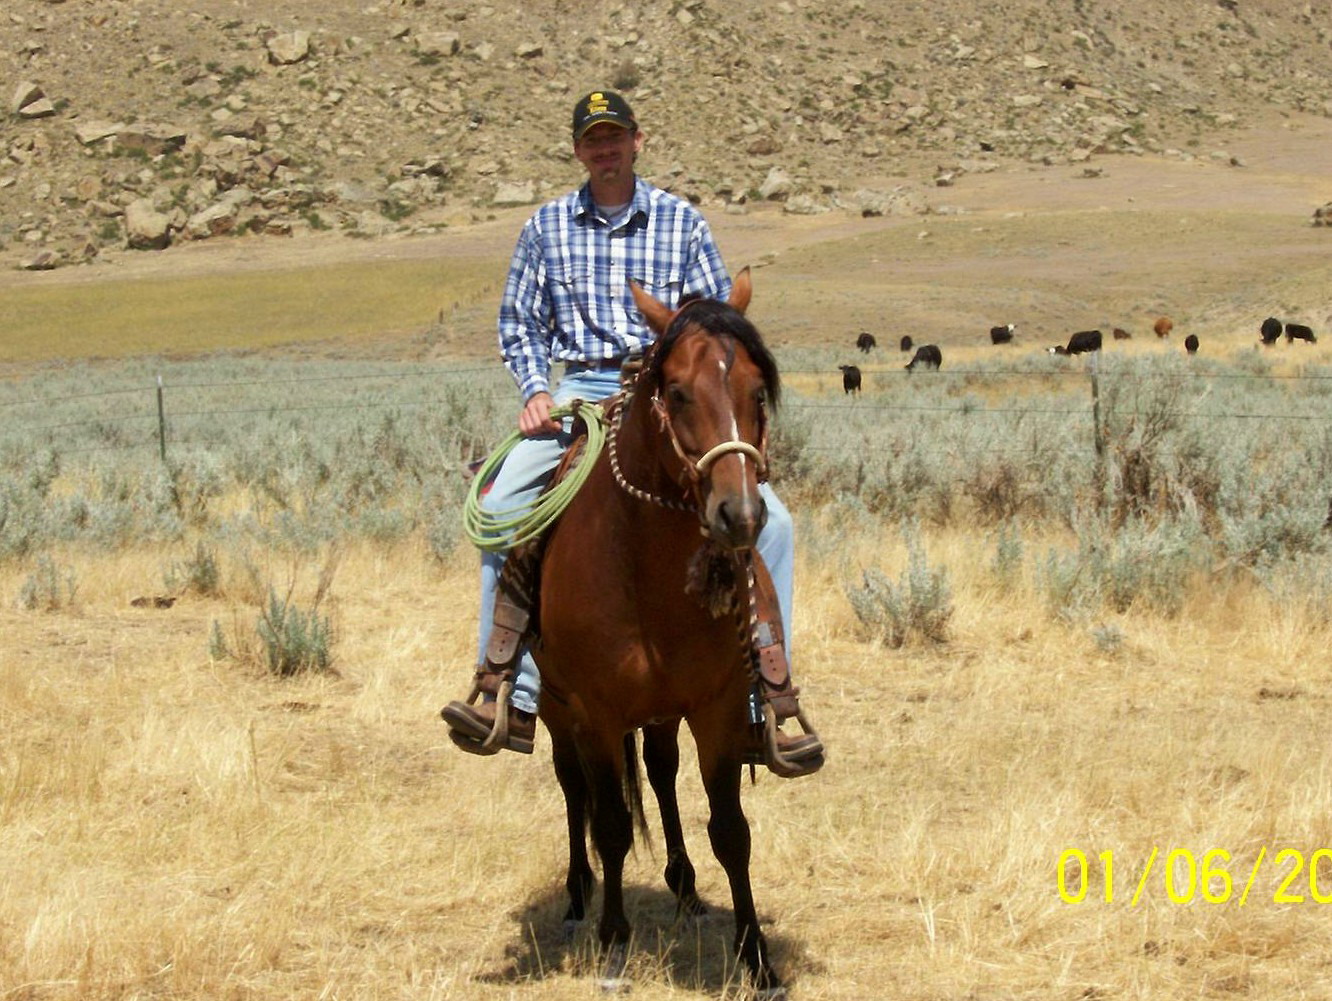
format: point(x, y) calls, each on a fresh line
point(567, 299)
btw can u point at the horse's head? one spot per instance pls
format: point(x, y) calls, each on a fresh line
point(711, 381)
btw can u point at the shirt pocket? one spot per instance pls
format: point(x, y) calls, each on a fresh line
point(572, 297)
point(662, 283)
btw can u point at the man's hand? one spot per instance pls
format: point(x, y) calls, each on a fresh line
point(535, 418)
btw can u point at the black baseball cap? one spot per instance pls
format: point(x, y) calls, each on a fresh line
point(602, 106)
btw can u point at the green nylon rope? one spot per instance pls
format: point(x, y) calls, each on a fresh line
point(500, 531)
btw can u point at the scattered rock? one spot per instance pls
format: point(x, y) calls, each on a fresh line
point(40, 108)
point(508, 194)
point(92, 131)
point(25, 93)
point(152, 138)
point(777, 186)
point(145, 227)
point(288, 48)
point(44, 260)
point(438, 43)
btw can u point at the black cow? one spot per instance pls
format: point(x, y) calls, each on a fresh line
point(906, 342)
point(1080, 343)
point(926, 356)
point(1299, 332)
point(1001, 335)
point(1270, 331)
point(866, 341)
point(850, 378)
point(1191, 344)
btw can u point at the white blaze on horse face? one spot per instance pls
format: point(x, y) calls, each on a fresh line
point(735, 436)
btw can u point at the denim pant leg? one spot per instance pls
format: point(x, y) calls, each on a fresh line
point(776, 544)
point(519, 482)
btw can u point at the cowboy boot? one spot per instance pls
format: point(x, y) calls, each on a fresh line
point(787, 755)
point(481, 728)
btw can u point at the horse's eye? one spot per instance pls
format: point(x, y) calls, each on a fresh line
point(677, 395)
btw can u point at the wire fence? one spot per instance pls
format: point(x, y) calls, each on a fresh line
point(165, 414)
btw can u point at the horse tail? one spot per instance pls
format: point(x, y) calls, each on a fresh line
point(633, 787)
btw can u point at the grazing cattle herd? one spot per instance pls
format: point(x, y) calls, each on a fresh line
point(930, 357)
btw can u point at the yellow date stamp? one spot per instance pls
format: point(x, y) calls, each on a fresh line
point(1290, 875)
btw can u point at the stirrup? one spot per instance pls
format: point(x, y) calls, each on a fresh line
point(780, 701)
point(485, 682)
point(783, 765)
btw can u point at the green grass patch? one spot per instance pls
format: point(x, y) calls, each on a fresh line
point(117, 319)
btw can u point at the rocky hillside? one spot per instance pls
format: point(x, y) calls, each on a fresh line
point(145, 123)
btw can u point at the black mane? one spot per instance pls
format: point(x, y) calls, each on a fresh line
point(723, 320)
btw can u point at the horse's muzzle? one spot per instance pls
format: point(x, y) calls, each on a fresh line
point(735, 522)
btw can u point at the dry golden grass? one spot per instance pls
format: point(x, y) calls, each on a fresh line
point(179, 828)
point(241, 309)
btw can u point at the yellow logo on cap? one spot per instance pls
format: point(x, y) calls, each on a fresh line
point(597, 104)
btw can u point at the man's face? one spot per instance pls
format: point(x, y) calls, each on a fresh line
point(607, 151)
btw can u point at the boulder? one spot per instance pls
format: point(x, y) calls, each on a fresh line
point(91, 131)
point(508, 195)
point(290, 47)
point(40, 108)
point(43, 260)
point(25, 93)
point(438, 43)
point(154, 138)
point(777, 186)
point(145, 227)
point(1323, 215)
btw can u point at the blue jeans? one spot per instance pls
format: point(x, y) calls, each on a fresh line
point(525, 472)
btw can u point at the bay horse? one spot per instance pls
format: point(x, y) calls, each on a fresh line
point(623, 646)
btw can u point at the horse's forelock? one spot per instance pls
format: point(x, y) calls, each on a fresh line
point(722, 320)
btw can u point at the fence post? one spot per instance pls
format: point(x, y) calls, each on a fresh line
point(161, 421)
point(1098, 431)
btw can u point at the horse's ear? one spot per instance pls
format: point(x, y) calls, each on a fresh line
point(657, 315)
point(741, 290)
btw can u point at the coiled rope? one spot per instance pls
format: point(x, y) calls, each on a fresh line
point(500, 531)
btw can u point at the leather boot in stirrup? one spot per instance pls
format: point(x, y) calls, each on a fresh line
point(480, 728)
point(787, 755)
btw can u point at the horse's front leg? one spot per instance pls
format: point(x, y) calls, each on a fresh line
point(661, 757)
point(719, 734)
point(580, 881)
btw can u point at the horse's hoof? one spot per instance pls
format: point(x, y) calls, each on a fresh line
point(612, 979)
point(771, 994)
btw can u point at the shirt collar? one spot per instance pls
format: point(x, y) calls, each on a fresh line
point(640, 205)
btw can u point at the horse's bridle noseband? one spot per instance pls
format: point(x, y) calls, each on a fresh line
point(698, 468)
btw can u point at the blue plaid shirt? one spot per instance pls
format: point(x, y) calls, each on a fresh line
point(567, 296)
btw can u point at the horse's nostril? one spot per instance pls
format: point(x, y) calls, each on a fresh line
point(739, 521)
